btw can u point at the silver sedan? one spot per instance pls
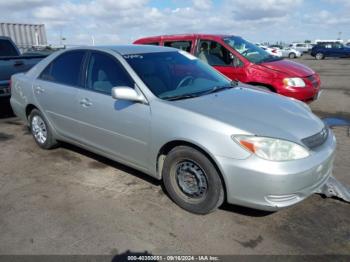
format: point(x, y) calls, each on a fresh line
point(167, 114)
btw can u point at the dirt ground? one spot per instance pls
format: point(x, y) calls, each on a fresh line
point(70, 201)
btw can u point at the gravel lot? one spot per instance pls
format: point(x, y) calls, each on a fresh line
point(70, 201)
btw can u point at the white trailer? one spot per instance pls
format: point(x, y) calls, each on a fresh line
point(25, 36)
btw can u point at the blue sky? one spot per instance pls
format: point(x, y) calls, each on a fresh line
point(122, 21)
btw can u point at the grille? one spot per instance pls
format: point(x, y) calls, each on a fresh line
point(313, 81)
point(317, 139)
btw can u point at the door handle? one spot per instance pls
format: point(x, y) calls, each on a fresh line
point(85, 102)
point(18, 63)
point(39, 89)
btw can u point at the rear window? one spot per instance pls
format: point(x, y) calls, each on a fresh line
point(182, 45)
point(7, 48)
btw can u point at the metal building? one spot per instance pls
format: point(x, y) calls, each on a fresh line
point(24, 35)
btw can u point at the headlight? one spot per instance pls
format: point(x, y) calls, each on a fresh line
point(271, 148)
point(294, 82)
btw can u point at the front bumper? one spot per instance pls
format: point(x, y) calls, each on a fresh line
point(268, 185)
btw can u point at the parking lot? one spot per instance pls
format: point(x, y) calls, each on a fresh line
point(70, 201)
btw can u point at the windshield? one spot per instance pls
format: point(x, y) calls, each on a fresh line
point(171, 75)
point(249, 50)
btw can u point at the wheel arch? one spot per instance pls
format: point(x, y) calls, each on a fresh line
point(29, 109)
point(166, 148)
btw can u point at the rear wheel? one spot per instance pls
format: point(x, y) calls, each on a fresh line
point(319, 56)
point(192, 181)
point(41, 131)
point(292, 55)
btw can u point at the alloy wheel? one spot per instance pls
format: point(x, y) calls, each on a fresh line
point(39, 129)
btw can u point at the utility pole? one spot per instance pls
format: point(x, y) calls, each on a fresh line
point(339, 35)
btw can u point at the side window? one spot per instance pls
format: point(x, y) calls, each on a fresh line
point(7, 49)
point(215, 54)
point(65, 69)
point(182, 45)
point(105, 72)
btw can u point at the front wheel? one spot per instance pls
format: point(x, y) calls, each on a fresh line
point(41, 131)
point(192, 180)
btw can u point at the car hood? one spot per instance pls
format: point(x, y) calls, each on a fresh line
point(250, 111)
point(290, 68)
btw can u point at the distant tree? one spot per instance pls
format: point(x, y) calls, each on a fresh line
point(307, 41)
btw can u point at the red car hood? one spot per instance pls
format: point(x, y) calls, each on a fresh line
point(290, 68)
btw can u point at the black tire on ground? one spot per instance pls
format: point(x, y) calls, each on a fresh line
point(319, 56)
point(292, 55)
point(50, 141)
point(185, 160)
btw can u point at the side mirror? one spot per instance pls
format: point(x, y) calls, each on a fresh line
point(127, 93)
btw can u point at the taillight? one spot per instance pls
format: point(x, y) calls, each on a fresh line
point(274, 51)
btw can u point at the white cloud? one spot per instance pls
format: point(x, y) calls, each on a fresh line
point(256, 10)
point(202, 4)
point(122, 21)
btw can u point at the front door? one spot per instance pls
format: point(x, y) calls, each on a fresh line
point(218, 56)
point(116, 127)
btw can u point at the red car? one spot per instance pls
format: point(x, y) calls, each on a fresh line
point(241, 60)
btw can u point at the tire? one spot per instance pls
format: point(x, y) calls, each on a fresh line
point(319, 56)
point(184, 164)
point(41, 131)
point(292, 55)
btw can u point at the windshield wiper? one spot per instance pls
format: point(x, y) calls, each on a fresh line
point(179, 97)
point(216, 89)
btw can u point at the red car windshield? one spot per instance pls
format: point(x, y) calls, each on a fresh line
point(249, 50)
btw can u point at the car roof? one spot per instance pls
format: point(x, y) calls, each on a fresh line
point(5, 38)
point(129, 49)
point(183, 35)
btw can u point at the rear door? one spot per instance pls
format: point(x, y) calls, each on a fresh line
point(116, 127)
point(328, 50)
point(56, 91)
